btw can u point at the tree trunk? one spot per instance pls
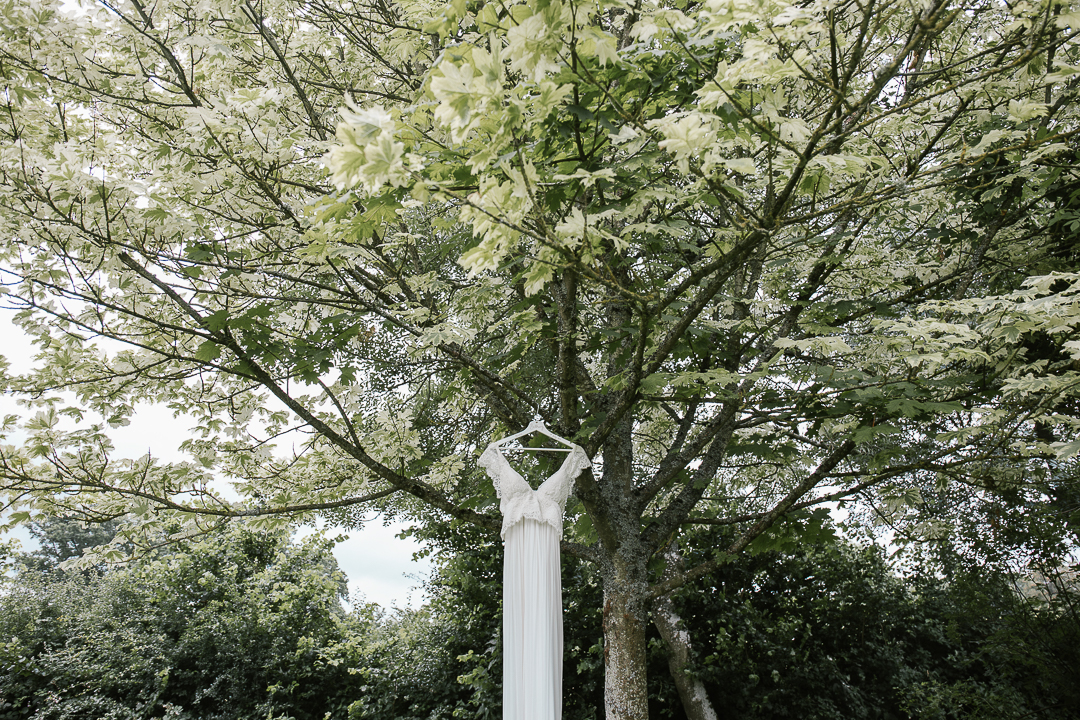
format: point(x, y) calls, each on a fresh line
point(625, 693)
point(623, 559)
point(677, 643)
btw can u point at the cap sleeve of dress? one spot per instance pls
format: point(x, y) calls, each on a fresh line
point(563, 481)
point(495, 464)
point(579, 462)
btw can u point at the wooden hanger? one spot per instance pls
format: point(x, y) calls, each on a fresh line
point(536, 426)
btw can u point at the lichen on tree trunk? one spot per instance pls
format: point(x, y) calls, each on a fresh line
point(625, 693)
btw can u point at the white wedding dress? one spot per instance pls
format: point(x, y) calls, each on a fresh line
point(532, 584)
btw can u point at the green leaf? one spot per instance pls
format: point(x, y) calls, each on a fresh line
point(208, 351)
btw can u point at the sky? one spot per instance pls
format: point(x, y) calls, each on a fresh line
point(379, 565)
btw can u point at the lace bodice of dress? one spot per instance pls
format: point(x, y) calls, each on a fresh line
point(519, 501)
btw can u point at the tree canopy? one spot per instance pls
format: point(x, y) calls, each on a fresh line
point(755, 256)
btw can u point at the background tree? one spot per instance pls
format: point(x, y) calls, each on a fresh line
point(753, 256)
point(240, 624)
point(61, 540)
point(831, 631)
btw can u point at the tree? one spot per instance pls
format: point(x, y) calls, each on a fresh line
point(753, 256)
point(832, 631)
point(61, 540)
point(240, 624)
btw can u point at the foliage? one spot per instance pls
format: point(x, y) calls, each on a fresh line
point(247, 625)
point(239, 625)
point(442, 660)
point(832, 632)
point(61, 540)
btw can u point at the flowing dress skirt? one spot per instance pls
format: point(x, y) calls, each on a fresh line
point(532, 623)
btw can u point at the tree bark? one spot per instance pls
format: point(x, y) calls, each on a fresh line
point(626, 696)
point(676, 639)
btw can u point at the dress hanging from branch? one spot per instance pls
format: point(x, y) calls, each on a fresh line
point(532, 576)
